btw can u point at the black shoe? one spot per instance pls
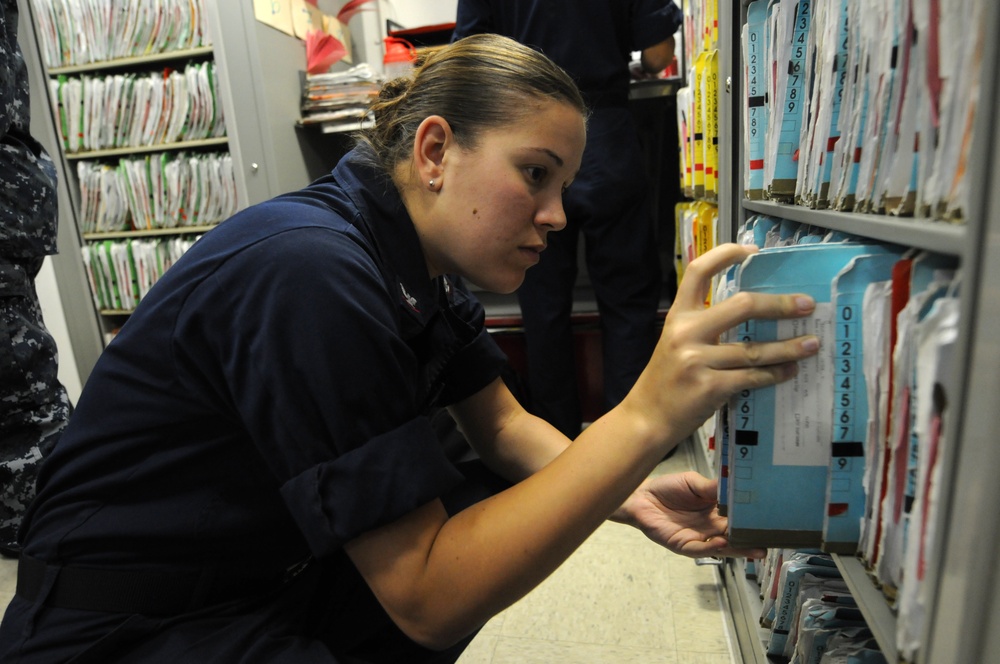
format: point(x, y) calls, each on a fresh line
point(10, 550)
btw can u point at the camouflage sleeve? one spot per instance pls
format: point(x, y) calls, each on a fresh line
point(34, 406)
point(28, 214)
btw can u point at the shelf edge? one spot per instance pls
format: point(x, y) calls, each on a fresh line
point(198, 51)
point(873, 604)
point(932, 235)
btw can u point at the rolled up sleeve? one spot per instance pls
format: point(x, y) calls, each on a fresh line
point(391, 475)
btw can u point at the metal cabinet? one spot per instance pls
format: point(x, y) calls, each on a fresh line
point(964, 620)
point(258, 68)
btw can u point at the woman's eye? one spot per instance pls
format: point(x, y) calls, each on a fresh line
point(535, 173)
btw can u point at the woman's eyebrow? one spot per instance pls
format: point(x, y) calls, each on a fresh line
point(555, 157)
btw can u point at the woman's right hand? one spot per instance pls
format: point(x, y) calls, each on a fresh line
point(691, 374)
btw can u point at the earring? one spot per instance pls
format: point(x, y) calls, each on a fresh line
point(430, 184)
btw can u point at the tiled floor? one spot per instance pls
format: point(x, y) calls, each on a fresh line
point(8, 580)
point(619, 599)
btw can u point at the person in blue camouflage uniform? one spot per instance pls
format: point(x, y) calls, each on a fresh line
point(34, 407)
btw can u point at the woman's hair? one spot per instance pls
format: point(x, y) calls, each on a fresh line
point(478, 83)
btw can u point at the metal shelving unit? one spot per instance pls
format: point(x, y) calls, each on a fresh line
point(260, 97)
point(964, 616)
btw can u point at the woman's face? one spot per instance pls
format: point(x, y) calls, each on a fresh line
point(498, 202)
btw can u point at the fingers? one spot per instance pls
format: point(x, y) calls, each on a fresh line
point(743, 306)
point(725, 551)
point(734, 381)
point(751, 354)
point(704, 488)
point(697, 281)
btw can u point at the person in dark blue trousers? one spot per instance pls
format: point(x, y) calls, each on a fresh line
point(608, 206)
point(252, 473)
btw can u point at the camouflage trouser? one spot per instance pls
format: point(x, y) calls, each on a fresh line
point(34, 407)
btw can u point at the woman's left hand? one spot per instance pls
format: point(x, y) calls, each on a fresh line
point(679, 511)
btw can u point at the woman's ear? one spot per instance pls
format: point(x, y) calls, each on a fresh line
point(432, 139)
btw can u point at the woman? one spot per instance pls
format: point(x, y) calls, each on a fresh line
point(251, 474)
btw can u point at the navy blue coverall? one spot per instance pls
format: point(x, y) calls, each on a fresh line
point(608, 202)
point(267, 402)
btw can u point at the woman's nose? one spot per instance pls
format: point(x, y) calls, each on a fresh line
point(552, 215)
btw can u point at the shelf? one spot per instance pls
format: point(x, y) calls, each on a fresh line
point(875, 607)
point(742, 596)
point(654, 87)
point(335, 126)
point(938, 236)
point(744, 602)
point(744, 606)
point(139, 149)
point(149, 232)
point(200, 51)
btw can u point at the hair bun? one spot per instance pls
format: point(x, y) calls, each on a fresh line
point(395, 88)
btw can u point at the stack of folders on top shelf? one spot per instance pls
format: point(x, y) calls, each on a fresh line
point(339, 100)
point(73, 32)
point(139, 109)
point(860, 105)
point(808, 613)
point(121, 272)
point(162, 190)
point(843, 457)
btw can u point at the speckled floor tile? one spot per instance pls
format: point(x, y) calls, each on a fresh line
point(601, 596)
point(686, 657)
point(619, 599)
point(481, 650)
point(540, 651)
point(8, 582)
point(698, 621)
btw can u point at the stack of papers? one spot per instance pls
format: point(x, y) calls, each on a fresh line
point(133, 110)
point(80, 32)
point(121, 272)
point(810, 613)
point(162, 190)
point(340, 99)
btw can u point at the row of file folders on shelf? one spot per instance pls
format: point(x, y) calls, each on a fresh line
point(845, 456)
point(807, 611)
point(138, 109)
point(698, 128)
point(698, 102)
point(121, 272)
point(78, 32)
point(160, 190)
point(862, 105)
